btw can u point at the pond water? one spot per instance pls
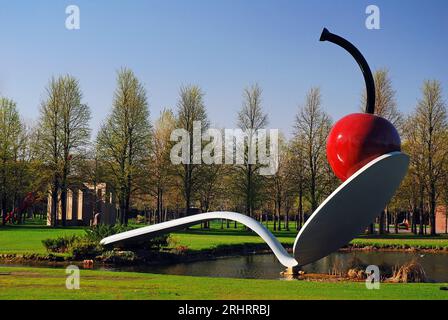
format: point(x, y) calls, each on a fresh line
point(267, 267)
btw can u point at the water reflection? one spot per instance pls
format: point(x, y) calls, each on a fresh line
point(267, 266)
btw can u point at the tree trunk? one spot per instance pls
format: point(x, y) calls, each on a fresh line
point(421, 230)
point(127, 207)
point(3, 199)
point(279, 222)
point(388, 219)
point(64, 191)
point(381, 223)
point(413, 222)
point(313, 193)
point(64, 205)
point(432, 209)
point(4, 208)
point(123, 212)
point(300, 208)
point(54, 205)
point(249, 191)
point(159, 205)
point(371, 228)
point(396, 223)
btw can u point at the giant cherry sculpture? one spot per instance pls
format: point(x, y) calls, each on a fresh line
point(358, 138)
point(363, 150)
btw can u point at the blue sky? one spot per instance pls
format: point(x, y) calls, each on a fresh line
point(222, 46)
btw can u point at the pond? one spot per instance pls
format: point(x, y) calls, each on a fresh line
point(267, 267)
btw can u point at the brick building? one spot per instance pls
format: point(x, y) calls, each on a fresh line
point(441, 220)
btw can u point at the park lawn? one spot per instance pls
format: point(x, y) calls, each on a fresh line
point(45, 283)
point(402, 241)
point(27, 239)
point(197, 239)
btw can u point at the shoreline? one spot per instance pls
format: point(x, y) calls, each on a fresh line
point(168, 257)
point(46, 283)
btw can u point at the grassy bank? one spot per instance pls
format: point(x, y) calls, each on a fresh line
point(402, 241)
point(27, 239)
point(42, 283)
point(197, 239)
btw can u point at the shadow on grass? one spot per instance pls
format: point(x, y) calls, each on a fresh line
point(402, 236)
point(234, 232)
point(35, 227)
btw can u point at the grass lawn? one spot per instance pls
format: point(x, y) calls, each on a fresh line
point(27, 239)
point(197, 239)
point(43, 283)
point(404, 240)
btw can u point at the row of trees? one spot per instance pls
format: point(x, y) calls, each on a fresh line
point(132, 154)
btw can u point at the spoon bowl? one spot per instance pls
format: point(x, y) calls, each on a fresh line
point(350, 208)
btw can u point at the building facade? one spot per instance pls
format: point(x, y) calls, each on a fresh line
point(441, 220)
point(84, 201)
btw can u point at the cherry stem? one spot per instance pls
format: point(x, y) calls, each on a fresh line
point(370, 83)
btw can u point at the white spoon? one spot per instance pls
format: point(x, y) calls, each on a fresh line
point(338, 220)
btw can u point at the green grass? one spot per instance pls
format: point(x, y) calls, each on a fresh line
point(27, 239)
point(403, 241)
point(197, 239)
point(43, 283)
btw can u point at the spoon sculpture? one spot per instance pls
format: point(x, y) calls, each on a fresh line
point(363, 151)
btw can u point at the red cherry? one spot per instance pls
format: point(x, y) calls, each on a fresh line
point(357, 139)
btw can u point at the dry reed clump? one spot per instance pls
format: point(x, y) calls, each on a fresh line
point(356, 269)
point(409, 272)
point(356, 274)
point(337, 269)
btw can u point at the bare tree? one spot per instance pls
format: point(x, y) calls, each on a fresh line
point(160, 167)
point(296, 167)
point(312, 126)
point(75, 132)
point(385, 102)
point(212, 187)
point(281, 185)
point(23, 182)
point(50, 146)
point(11, 130)
point(425, 136)
point(417, 188)
point(64, 135)
point(386, 107)
point(124, 140)
point(190, 108)
point(250, 119)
